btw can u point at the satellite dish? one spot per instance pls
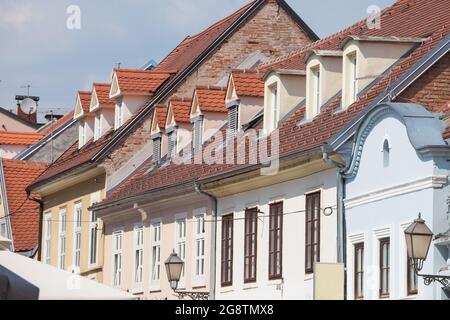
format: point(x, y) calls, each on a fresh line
point(28, 106)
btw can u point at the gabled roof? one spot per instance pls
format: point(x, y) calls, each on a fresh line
point(22, 212)
point(296, 137)
point(101, 92)
point(19, 138)
point(159, 117)
point(181, 108)
point(19, 119)
point(83, 104)
point(144, 82)
point(210, 99)
point(248, 83)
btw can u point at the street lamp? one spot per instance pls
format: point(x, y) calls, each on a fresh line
point(174, 268)
point(418, 240)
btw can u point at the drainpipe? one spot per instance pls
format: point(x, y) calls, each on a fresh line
point(341, 226)
point(213, 264)
point(41, 219)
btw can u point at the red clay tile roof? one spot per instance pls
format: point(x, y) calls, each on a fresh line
point(181, 109)
point(248, 83)
point(102, 90)
point(19, 138)
point(161, 115)
point(24, 213)
point(58, 124)
point(293, 137)
point(140, 81)
point(85, 99)
point(211, 98)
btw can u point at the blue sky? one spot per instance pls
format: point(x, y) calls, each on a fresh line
point(38, 49)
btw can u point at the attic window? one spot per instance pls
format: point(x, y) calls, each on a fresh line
point(197, 134)
point(172, 140)
point(82, 133)
point(350, 85)
point(386, 153)
point(233, 121)
point(118, 114)
point(98, 126)
point(156, 149)
point(316, 90)
point(273, 105)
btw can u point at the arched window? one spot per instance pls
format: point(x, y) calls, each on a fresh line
point(386, 153)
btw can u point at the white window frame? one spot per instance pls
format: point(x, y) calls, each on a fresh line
point(117, 246)
point(316, 71)
point(98, 125)
point(82, 132)
point(138, 264)
point(48, 237)
point(62, 238)
point(199, 235)
point(118, 113)
point(353, 87)
point(77, 228)
point(93, 224)
point(156, 236)
point(3, 228)
point(181, 243)
point(275, 109)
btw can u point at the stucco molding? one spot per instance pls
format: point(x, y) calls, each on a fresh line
point(357, 238)
point(434, 182)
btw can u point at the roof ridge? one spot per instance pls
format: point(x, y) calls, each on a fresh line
point(164, 71)
point(211, 87)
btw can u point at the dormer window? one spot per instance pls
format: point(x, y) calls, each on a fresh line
point(197, 138)
point(82, 133)
point(353, 86)
point(350, 85)
point(118, 114)
point(274, 105)
point(156, 149)
point(316, 89)
point(98, 125)
point(172, 141)
point(233, 121)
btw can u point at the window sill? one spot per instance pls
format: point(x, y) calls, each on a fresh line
point(275, 282)
point(226, 289)
point(155, 288)
point(250, 285)
point(309, 276)
point(138, 290)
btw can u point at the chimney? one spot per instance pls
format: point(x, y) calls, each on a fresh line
point(24, 111)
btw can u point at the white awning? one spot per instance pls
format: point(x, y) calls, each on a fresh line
point(22, 278)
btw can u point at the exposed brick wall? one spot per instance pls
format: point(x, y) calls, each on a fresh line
point(431, 89)
point(270, 30)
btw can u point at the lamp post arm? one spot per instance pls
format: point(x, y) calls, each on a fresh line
point(194, 295)
point(429, 279)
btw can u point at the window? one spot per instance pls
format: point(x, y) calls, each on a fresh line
point(199, 242)
point(198, 132)
point(359, 271)
point(353, 79)
point(312, 223)
point(250, 245)
point(156, 253)
point(233, 121)
point(172, 140)
point(48, 237)
point(180, 242)
point(3, 232)
point(138, 255)
point(276, 241)
point(82, 132)
point(117, 258)
point(386, 154)
point(412, 277)
point(227, 251)
point(156, 149)
point(317, 89)
point(274, 106)
point(78, 213)
point(93, 232)
point(98, 125)
point(62, 238)
point(118, 114)
point(384, 267)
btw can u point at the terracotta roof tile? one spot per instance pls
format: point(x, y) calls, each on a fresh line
point(24, 213)
point(102, 90)
point(19, 138)
point(140, 81)
point(85, 99)
point(211, 98)
point(248, 83)
point(181, 109)
point(161, 115)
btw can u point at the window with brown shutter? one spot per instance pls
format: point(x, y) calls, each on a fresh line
point(227, 251)
point(276, 241)
point(312, 224)
point(250, 245)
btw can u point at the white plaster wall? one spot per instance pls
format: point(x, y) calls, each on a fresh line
point(131, 104)
point(295, 284)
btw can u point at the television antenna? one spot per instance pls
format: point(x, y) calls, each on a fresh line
point(27, 86)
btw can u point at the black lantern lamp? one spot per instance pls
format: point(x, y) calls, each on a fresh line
point(174, 268)
point(418, 241)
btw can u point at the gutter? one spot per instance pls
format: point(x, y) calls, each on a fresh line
point(41, 220)
point(177, 80)
point(341, 225)
point(213, 254)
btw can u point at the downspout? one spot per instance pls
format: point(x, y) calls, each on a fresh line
point(213, 264)
point(341, 225)
point(41, 221)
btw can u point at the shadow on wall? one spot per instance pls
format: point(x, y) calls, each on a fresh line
point(14, 287)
